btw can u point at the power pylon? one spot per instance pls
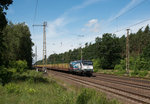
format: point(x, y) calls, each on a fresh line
point(36, 58)
point(44, 45)
point(127, 52)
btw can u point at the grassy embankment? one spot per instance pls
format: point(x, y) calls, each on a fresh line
point(31, 87)
point(132, 73)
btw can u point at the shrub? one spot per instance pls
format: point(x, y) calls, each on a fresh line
point(5, 75)
point(84, 97)
point(19, 65)
point(96, 64)
point(135, 72)
point(121, 66)
point(31, 91)
point(143, 73)
point(12, 88)
point(118, 67)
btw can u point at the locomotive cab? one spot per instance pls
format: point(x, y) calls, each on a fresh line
point(82, 67)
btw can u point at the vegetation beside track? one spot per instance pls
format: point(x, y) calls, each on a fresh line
point(132, 73)
point(32, 87)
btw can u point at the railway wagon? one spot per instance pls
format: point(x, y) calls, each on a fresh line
point(61, 67)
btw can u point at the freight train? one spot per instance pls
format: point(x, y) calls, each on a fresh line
point(79, 66)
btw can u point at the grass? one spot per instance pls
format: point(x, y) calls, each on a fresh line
point(139, 73)
point(32, 88)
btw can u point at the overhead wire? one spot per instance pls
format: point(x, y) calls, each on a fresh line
point(34, 19)
point(35, 13)
point(130, 9)
point(132, 25)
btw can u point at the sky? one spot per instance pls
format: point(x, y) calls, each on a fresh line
point(72, 23)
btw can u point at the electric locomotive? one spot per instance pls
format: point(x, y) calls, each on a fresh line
point(81, 67)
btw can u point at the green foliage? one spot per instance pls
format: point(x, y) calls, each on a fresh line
point(96, 64)
point(5, 75)
point(3, 22)
point(140, 64)
point(18, 44)
point(89, 96)
point(146, 52)
point(120, 72)
point(143, 73)
point(31, 91)
point(84, 97)
point(19, 66)
point(53, 93)
point(140, 73)
point(120, 66)
point(12, 88)
point(13, 72)
point(136, 63)
point(109, 51)
point(30, 76)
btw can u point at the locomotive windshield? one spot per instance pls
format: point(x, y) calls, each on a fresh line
point(87, 62)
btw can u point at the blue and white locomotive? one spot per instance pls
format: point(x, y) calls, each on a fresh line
point(82, 67)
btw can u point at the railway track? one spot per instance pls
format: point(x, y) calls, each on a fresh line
point(135, 90)
point(136, 83)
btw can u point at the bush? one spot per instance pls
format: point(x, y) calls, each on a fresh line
point(12, 88)
point(118, 67)
point(19, 65)
point(121, 66)
point(96, 64)
point(84, 97)
point(90, 96)
point(136, 63)
point(140, 64)
point(5, 75)
point(140, 73)
point(135, 72)
point(143, 73)
point(31, 91)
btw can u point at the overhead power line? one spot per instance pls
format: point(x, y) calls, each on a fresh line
point(132, 25)
point(35, 13)
point(130, 9)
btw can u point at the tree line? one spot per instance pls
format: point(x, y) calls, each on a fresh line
point(15, 46)
point(108, 50)
point(15, 39)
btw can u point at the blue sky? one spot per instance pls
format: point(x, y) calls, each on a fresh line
point(67, 19)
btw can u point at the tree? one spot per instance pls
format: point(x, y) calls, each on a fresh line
point(110, 50)
point(17, 39)
point(3, 6)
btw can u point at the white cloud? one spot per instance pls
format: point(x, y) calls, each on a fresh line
point(92, 22)
point(81, 6)
point(93, 25)
point(56, 27)
point(84, 4)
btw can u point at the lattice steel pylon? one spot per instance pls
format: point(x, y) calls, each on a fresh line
point(44, 45)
